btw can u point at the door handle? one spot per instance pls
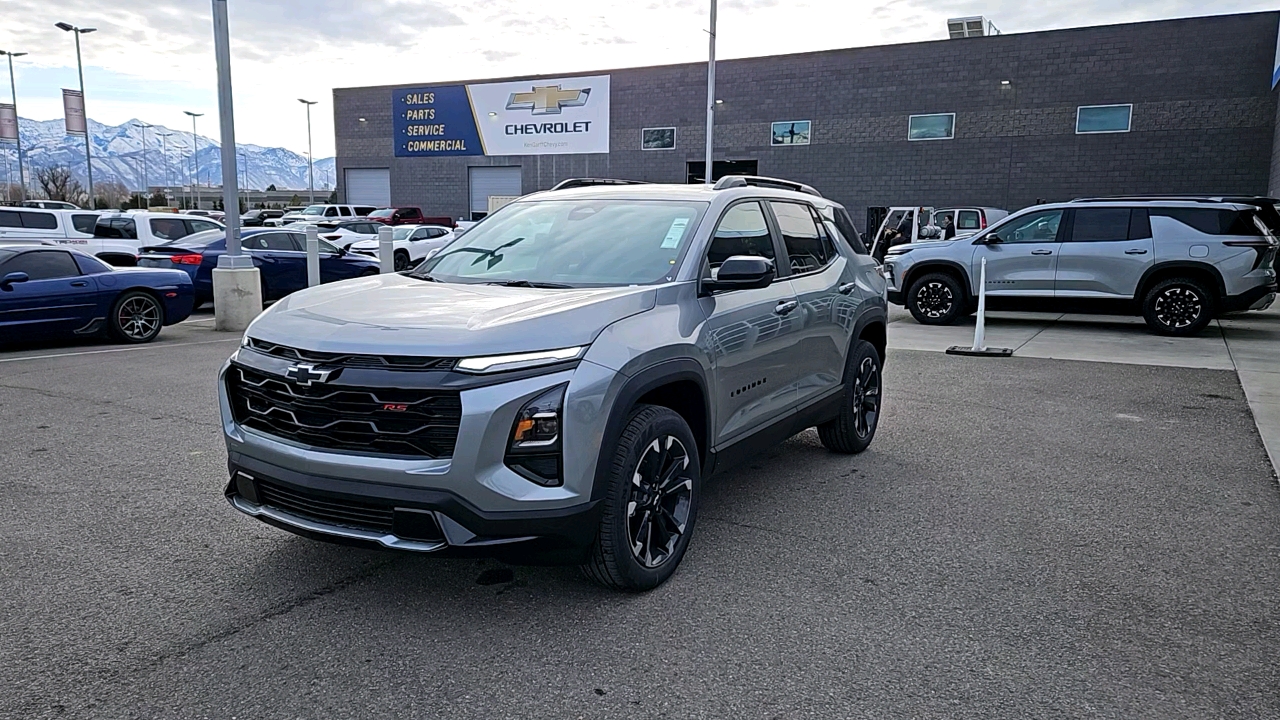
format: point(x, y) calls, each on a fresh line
point(1041, 252)
point(1135, 251)
point(80, 283)
point(786, 306)
point(847, 288)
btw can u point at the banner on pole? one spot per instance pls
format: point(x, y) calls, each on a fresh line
point(8, 123)
point(73, 109)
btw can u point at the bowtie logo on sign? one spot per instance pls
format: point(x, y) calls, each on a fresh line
point(547, 99)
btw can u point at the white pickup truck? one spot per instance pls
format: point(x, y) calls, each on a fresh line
point(21, 224)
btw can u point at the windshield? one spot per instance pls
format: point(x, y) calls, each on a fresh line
point(578, 243)
point(314, 210)
point(382, 213)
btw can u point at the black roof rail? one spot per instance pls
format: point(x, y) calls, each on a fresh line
point(592, 182)
point(1205, 198)
point(734, 181)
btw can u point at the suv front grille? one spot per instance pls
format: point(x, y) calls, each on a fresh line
point(389, 421)
point(345, 513)
point(394, 362)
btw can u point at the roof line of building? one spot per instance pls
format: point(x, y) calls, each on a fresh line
point(1005, 37)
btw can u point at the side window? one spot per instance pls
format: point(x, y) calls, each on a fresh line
point(84, 223)
point(346, 211)
point(201, 225)
point(807, 247)
point(169, 228)
point(1139, 224)
point(91, 265)
point(128, 228)
point(1100, 225)
point(1209, 221)
point(968, 220)
point(742, 231)
point(39, 220)
point(271, 241)
point(43, 265)
point(9, 218)
point(1036, 227)
point(412, 213)
point(423, 234)
point(848, 230)
point(331, 212)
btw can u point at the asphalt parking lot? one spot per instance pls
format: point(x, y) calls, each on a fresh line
point(1026, 537)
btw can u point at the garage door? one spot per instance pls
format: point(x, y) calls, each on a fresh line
point(369, 187)
point(497, 181)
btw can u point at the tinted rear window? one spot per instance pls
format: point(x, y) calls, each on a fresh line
point(1212, 221)
point(84, 222)
point(39, 220)
point(9, 218)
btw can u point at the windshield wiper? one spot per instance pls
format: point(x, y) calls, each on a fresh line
point(530, 284)
point(423, 276)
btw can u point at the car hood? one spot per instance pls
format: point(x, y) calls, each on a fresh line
point(394, 314)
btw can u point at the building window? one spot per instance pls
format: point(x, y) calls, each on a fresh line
point(658, 138)
point(1103, 119)
point(790, 132)
point(939, 126)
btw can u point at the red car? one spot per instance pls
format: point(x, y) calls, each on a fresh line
point(397, 216)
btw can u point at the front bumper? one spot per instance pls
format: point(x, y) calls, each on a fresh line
point(400, 518)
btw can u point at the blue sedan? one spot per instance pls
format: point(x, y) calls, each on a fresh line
point(279, 254)
point(51, 291)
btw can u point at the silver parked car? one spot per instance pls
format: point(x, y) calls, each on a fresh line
point(1177, 261)
point(558, 381)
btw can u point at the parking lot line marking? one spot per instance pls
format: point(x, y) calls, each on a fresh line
point(115, 350)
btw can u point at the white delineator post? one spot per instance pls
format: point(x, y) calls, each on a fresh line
point(980, 330)
point(313, 256)
point(237, 288)
point(386, 249)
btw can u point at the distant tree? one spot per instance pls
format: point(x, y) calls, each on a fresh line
point(110, 194)
point(271, 187)
point(333, 197)
point(295, 200)
point(58, 184)
point(158, 199)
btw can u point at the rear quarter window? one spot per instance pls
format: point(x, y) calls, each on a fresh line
point(84, 222)
point(1211, 221)
point(39, 220)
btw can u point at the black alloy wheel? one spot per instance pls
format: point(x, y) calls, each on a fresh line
point(650, 504)
point(935, 299)
point(854, 428)
point(137, 317)
point(401, 261)
point(661, 496)
point(1178, 306)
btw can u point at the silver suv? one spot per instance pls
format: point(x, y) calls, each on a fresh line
point(556, 383)
point(1178, 262)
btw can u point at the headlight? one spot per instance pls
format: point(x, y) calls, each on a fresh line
point(503, 363)
point(534, 447)
point(244, 340)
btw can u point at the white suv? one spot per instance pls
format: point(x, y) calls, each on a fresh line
point(317, 213)
point(117, 236)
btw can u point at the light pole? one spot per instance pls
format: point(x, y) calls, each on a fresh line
point(195, 155)
point(311, 161)
point(711, 93)
point(146, 178)
point(13, 89)
point(164, 155)
point(237, 289)
point(88, 159)
point(244, 163)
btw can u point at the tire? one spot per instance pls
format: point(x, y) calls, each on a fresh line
point(371, 272)
point(262, 281)
point(401, 262)
point(136, 317)
point(936, 299)
point(1178, 306)
point(855, 427)
point(655, 443)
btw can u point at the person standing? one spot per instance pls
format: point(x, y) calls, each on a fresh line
point(948, 228)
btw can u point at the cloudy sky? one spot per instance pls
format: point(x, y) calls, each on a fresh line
point(154, 59)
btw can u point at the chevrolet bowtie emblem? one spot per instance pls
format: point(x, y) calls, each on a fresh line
point(305, 374)
point(548, 99)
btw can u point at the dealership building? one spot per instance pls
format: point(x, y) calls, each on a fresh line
point(1173, 106)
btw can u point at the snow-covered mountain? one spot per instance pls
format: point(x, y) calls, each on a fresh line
point(118, 155)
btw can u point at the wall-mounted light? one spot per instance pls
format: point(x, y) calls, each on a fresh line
point(719, 102)
point(363, 120)
point(1005, 83)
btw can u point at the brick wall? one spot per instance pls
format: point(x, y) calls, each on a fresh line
point(1204, 119)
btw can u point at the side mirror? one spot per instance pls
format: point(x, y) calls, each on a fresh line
point(992, 239)
point(14, 277)
point(742, 272)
